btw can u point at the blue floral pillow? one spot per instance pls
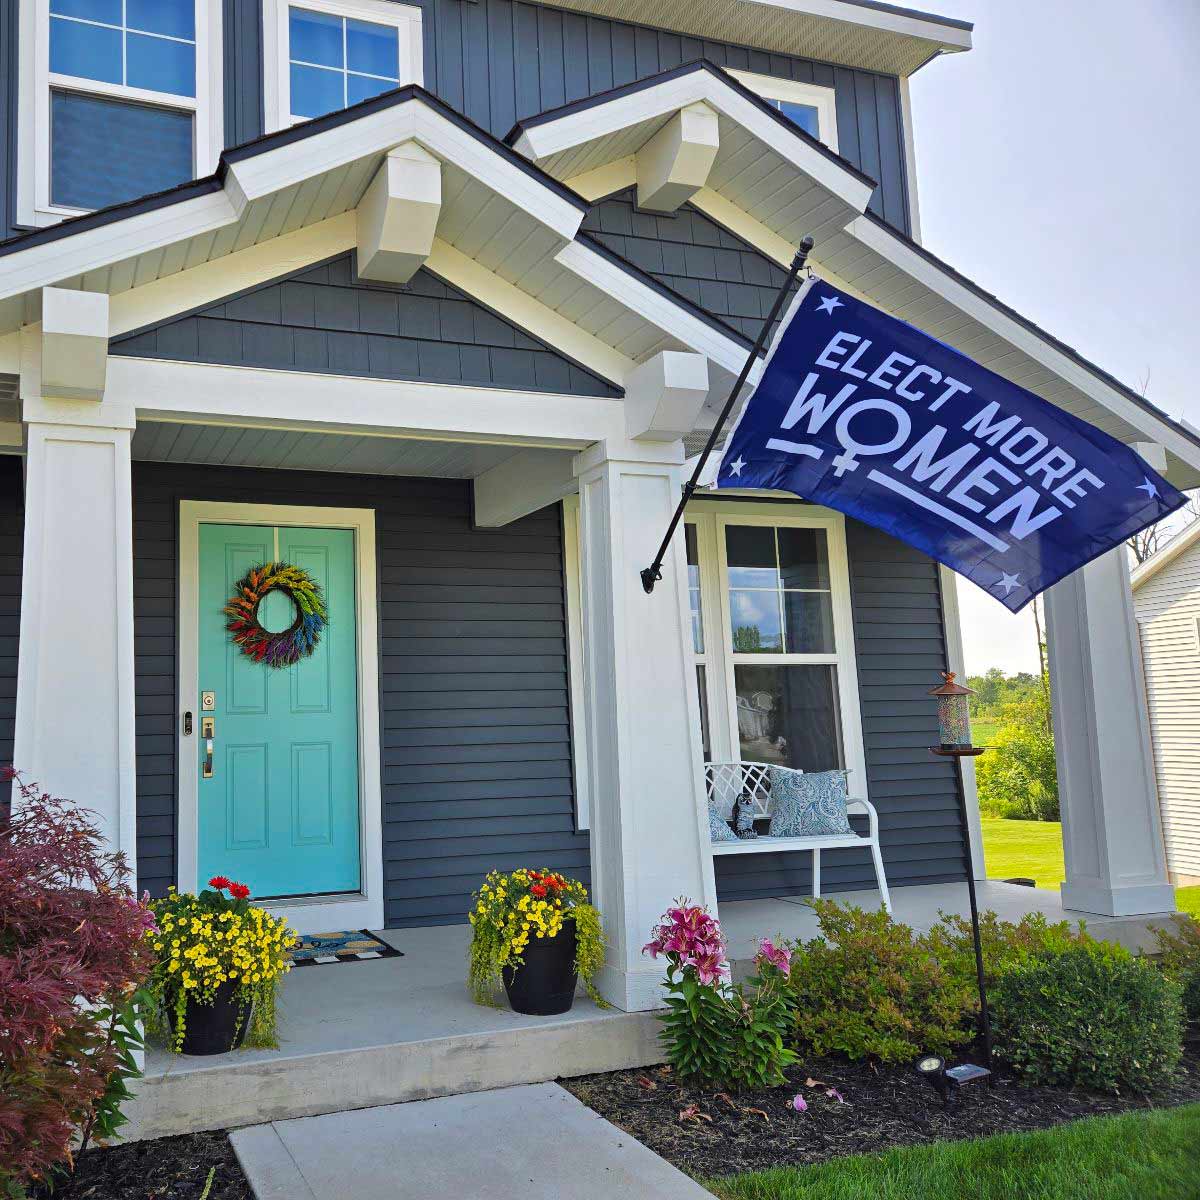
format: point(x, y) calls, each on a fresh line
point(808, 804)
point(718, 827)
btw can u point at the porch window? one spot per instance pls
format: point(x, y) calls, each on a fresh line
point(811, 106)
point(120, 98)
point(772, 633)
point(328, 54)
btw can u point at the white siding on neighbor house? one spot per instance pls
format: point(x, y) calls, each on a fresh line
point(1167, 607)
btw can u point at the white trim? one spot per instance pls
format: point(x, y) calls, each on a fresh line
point(910, 159)
point(405, 18)
point(576, 665)
point(1181, 541)
point(253, 397)
point(364, 909)
point(792, 91)
point(955, 661)
point(35, 82)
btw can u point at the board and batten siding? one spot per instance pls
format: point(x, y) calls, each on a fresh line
point(1167, 608)
point(900, 647)
point(476, 757)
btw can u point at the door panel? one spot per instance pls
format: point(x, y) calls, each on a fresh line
point(281, 811)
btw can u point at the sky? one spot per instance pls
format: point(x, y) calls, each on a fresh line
point(1058, 166)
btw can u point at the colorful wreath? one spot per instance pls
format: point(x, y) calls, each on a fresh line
point(277, 649)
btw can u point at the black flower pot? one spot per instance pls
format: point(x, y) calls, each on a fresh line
point(545, 983)
point(214, 1028)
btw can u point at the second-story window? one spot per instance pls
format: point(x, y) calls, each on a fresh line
point(323, 55)
point(118, 101)
point(809, 106)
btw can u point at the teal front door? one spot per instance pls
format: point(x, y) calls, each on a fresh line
point(279, 804)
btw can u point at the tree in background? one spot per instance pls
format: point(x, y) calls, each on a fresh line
point(1018, 778)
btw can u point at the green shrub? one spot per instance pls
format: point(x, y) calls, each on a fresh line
point(1090, 1018)
point(1006, 944)
point(1019, 778)
point(1179, 957)
point(869, 987)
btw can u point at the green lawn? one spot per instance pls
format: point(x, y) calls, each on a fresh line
point(1139, 1156)
point(1034, 849)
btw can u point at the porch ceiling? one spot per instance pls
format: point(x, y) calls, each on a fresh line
point(282, 449)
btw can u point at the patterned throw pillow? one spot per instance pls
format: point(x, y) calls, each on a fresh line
point(718, 827)
point(808, 804)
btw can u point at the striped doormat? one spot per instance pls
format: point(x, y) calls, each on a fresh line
point(343, 945)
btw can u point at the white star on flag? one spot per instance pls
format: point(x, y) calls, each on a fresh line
point(1148, 486)
point(829, 304)
point(1008, 582)
point(735, 467)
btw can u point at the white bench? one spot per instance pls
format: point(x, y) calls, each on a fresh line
point(725, 782)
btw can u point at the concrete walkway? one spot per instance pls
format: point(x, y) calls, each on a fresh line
point(535, 1142)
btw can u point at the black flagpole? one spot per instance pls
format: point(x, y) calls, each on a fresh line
point(653, 573)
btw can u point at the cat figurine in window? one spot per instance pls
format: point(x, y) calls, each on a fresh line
point(743, 818)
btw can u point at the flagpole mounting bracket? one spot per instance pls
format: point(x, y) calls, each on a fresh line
point(653, 573)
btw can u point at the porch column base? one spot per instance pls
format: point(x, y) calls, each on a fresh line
point(634, 990)
point(1137, 900)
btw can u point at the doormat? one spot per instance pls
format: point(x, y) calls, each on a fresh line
point(344, 945)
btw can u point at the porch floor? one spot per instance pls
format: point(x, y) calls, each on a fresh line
point(384, 1031)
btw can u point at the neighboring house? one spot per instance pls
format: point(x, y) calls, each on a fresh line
point(437, 325)
point(1166, 602)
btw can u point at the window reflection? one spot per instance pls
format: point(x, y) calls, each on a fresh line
point(789, 715)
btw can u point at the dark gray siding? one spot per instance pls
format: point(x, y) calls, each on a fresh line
point(12, 530)
point(692, 255)
point(475, 737)
point(324, 319)
point(242, 44)
point(900, 649)
point(499, 61)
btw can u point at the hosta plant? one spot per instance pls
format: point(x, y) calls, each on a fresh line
point(73, 952)
point(510, 910)
point(716, 1032)
point(208, 940)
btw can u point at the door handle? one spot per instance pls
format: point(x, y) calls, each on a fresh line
point(207, 731)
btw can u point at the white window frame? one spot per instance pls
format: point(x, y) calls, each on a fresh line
point(711, 521)
point(34, 207)
point(791, 91)
point(405, 18)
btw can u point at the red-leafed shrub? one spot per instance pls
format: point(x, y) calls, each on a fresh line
point(73, 951)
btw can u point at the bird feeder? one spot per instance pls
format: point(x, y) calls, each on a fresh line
point(954, 714)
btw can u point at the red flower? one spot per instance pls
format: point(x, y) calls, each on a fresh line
point(219, 881)
point(239, 891)
point(539, 890)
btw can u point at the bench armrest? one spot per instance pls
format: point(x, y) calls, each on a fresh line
point(854, 805)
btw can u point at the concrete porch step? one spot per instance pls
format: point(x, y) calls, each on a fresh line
point(364, 1034)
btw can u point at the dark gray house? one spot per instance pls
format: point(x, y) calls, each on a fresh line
point(434, 300)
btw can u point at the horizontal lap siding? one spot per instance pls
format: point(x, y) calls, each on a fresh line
point(475, 753)
point(324, 319)
point(12, 528)
point(900, 649)
point(692, 255)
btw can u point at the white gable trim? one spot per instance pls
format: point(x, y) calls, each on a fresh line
point(1183, 541)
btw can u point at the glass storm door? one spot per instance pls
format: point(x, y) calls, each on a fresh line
point(279, 805)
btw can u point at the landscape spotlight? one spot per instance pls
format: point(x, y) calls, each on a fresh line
point(947, 1080)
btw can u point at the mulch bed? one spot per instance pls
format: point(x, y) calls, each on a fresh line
point(174, 1168)
point(710, 1134)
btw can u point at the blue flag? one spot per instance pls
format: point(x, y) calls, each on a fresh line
point(861, 412)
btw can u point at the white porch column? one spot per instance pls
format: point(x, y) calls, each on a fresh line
point(650, 840)
point(1112, 836)
point(75, 677)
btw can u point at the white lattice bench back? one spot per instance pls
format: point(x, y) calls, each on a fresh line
point(725, 782)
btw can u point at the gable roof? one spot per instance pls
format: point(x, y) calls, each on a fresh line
point(788, 185)
point(1179, 545)
point(505, 225)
